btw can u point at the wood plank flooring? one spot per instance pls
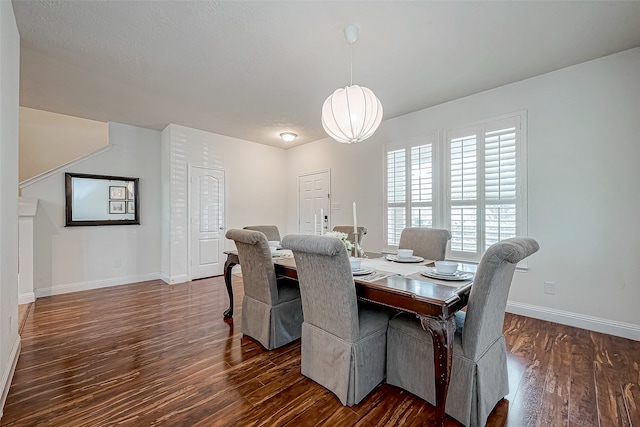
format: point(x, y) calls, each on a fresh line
point(150, 354)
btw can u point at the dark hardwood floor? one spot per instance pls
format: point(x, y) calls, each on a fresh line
point(150, 354)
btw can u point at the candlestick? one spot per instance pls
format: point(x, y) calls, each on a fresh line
point(315, 224)
point(355, 231)
point(321, 221)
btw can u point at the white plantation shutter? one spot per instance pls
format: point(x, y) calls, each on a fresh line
point(487, 201)
point(396, 194)
point(409, 188)
point(473, 182)
point(500, 185)
point(464, 194)
point(422, 186)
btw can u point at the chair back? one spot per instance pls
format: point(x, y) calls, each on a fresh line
point(428, 243)
point(348, 230)
point(488, 297)
point(328, 292)
point(271, 231)
point(258, 272)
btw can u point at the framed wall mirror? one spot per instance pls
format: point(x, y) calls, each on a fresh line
point(101, 200)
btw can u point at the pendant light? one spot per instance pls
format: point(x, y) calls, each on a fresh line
point(353, 113)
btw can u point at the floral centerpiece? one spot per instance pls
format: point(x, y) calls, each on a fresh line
point(344, 238)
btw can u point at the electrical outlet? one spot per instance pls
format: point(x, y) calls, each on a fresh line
point(117, 263)
point(550, 288)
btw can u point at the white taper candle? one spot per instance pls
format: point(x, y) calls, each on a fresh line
point(321, 221)
point(355, 219)
point(315, 224)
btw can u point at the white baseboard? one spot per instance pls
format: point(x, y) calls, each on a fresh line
point(611, 327)
point(178, 279)
point(165, 278)
point(7, 375)
point(26, 298)
point(85, 286)
point(174, 279)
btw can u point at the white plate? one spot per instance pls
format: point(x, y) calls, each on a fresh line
point(458, 275)
point(435, 271)
point(395, 258)
point(361, 271)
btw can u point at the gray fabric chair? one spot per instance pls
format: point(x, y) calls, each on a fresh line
point(271, 231)
point(348, 230)
point(428, 243)
point(271, 307)
point(479, 369)
point(343, 343)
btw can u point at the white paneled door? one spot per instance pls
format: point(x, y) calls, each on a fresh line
point(314, 197)
point(207, 222)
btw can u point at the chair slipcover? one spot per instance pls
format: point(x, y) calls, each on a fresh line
point(479, 370)
point(343, 344)
point(271, 307)
point(348, 230)
point(271, 231)
point(428, 243)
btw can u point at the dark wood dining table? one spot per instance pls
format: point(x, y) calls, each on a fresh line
point(434, 304)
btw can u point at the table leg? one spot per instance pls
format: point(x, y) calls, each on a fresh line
point(228, 266)
point(442, 332)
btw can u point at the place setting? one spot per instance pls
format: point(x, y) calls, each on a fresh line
point(357, 269)
point(365, 273)
point(277, 251)
point(446, 270)
point(405, 256)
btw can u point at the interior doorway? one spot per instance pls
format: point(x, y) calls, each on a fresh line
point(314, 202)
point(207, 222)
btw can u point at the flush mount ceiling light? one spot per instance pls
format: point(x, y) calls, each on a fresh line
point(288, 136)
point(353, 113)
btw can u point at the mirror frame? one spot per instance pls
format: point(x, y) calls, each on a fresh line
point(70, 222)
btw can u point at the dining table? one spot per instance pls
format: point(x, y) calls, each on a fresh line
point(404, 286)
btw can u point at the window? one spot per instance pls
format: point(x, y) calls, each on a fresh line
point(472, 181)
point(409, 188)
point(396, 194)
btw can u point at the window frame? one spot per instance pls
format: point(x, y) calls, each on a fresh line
point(433, 139)
point(441, 178)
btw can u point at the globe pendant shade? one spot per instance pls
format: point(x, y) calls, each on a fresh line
point(351, 114)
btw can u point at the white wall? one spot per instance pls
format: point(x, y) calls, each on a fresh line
point(9, 84)
point(583, 150)
point(48, 140)
point(68, 259)
point(255, 179)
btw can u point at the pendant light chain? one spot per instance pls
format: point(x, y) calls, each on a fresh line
point(351, 82)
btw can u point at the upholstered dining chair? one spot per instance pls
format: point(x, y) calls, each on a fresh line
point(271, 231)
point(428, 243)
point(271, 306)
point(479, 368)
point(343, 342)
point(348, 230)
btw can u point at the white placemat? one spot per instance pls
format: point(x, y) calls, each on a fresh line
point(404, 269)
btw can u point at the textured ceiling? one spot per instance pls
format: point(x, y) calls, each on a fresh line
point(253, 69)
